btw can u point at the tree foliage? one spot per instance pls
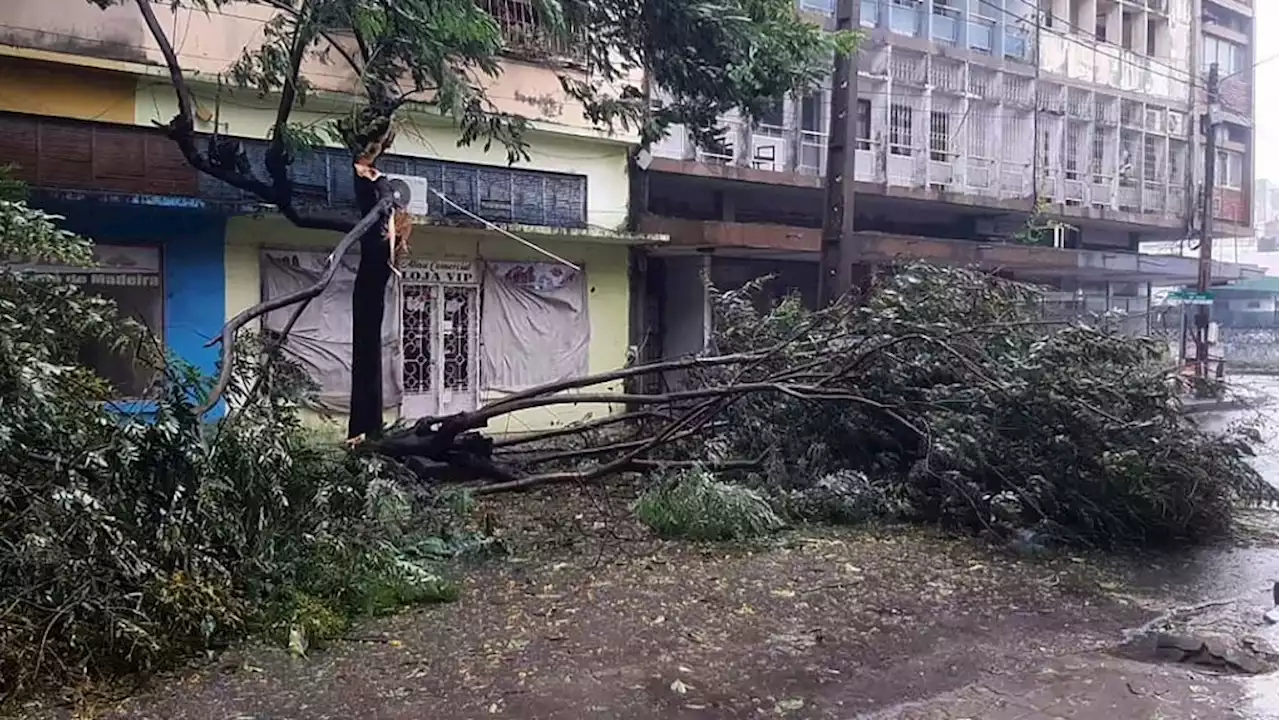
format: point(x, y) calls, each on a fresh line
point(977, 413)
point(128, 542)
point(945, 397)
point(706, 57)
point(694, 505)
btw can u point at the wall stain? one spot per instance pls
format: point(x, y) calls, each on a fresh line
point(107, 49)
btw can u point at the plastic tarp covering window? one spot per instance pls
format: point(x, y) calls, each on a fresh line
point(534, 325)
point(321, 339)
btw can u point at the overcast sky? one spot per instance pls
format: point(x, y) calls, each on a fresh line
point(1267, 113)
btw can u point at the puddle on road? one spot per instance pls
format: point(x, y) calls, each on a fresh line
point(1264, 697)
point(1245, 570)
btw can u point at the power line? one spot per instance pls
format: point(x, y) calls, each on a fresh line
point(1188, 76)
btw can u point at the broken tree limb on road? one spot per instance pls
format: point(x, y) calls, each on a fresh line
point(947, 392)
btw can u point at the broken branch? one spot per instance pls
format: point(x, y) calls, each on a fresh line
point(574, 429)
point(299, 297)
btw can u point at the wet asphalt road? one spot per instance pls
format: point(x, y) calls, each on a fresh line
point(1244, 571)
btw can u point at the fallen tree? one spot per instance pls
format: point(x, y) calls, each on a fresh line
point(945, 390)
point(128, 543)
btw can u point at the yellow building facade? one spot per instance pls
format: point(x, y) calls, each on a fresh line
point(454, 341)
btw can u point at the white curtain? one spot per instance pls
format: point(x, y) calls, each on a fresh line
point(321, 339)
point(534, 326)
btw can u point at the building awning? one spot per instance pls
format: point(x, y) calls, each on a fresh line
point(780, 242)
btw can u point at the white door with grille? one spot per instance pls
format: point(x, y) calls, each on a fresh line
point(440, 330)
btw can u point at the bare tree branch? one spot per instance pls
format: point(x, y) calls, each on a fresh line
point(285, 7)
point(181, 130)
point(600, 450)
point(600, 378)
point(574, 429)
point(301, 298)
point(532, 481)
point(480, 417)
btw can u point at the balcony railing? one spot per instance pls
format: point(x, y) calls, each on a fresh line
point(910, 164)
point(525, 35)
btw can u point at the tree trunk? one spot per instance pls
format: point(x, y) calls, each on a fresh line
point(368, 304)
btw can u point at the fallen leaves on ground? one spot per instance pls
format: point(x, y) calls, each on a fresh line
point(817, 622)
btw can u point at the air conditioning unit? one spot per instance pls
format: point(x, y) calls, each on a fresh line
point(418, 192)
point(1175, 123)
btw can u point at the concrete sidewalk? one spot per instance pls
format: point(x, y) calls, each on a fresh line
point(1086, 687)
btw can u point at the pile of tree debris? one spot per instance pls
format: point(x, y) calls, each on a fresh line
point(943, 391)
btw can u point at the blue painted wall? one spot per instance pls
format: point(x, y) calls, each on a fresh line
point(192, 246)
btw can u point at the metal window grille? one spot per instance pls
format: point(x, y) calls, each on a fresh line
point(939, 136)
point(900, 129)
point(440, 337)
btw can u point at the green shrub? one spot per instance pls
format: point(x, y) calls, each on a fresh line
point(129, 543)
point(692, 504)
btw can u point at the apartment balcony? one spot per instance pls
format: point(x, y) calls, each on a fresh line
point(525, 35)
point(1112, 66)
point(1243, 7)
point(789, 156)
point(945, 24)
point(1229, 205)
point(886, 248)
point(984, 27)
point(1156, 6)
point(906, 19)
point(208, 41)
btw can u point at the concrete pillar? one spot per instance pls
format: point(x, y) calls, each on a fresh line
point(1140, 33)
point(1086, 16)
point(792, 116)
point(685, 315)
point(1061, 12)
point(1113, 23)
point(742, 144)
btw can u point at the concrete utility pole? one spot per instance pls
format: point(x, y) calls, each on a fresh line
point(840, 247)
point(1204, 276)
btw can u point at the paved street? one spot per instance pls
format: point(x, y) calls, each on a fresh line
point(1087, 687)
point(897, 625)
point(1099, 685)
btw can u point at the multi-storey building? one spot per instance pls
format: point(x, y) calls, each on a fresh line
point(1266, 214)
point(967, 112)
point(81, 93)
point(1226, 30)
